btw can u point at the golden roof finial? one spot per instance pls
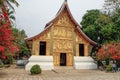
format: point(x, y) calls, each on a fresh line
point(65, 1)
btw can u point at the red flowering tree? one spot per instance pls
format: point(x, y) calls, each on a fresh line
point(109, 51)
point(7, 41)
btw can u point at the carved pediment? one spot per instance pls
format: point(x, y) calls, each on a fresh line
point(62, 32)
point(64, 19)
point(45, 36)
point(63, 45)
point(79, 39)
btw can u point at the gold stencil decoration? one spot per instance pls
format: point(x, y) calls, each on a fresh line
point(62, 32)
point(45, 36)
point(63, 20)
point(62, 45)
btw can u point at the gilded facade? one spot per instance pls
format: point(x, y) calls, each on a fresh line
point(62, 38)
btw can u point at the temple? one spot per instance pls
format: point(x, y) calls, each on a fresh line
point(62, 43)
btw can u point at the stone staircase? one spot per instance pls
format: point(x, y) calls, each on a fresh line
point(63, 67)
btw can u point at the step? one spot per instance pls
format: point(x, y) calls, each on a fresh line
point(63, 67)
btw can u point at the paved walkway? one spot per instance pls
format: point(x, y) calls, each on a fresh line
point(15, 73)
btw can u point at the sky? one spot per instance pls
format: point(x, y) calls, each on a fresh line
point(33, 15)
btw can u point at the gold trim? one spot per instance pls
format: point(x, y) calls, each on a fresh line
point(74, 43)
point(51, 41)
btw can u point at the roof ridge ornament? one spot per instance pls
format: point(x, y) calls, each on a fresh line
point(65, 1)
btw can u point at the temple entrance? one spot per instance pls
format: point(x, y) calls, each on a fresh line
point(81, 49)
point(63, 59)
point(42, 48)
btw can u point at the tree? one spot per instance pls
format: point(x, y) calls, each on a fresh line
point(8, 3)
point(89, 18)
point(99, 26)
point(116, 20)
point(20, 36)
point(109, 51)
point(111, 6)
point(88, 23)
point(106, 28)
point(11, 16)
point(7, 41)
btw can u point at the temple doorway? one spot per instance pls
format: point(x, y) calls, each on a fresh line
point(81, 49)
point(63, 59)
point(42, 48)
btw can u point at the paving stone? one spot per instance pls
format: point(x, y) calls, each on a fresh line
point(14, 73)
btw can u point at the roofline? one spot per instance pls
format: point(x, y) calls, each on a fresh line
point(39, 33)
point(64, 5)
point(49, 24)
point(86, 37)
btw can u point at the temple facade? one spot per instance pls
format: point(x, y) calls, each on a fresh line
point(62, 38)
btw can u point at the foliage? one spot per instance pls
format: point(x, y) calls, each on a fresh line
point(8, 3)
point(11, 16)
point(95, 23)
point(1, 66)
point(89, 18)
point(35, 69)
point(111, 6)
point(7, 41)
point(108, 68)
point(109, 51)
point(9, 59)
point(116, 20)
point(20, 36)
point(88, 23)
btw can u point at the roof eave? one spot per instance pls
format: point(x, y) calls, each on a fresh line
point(86, 37)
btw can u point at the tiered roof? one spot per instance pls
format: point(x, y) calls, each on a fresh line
point(77, 26)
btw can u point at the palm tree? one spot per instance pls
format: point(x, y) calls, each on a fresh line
point(4, 6)
point(11, 16)
point(8, 3)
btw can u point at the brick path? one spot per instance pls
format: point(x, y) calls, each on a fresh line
point(15, 73)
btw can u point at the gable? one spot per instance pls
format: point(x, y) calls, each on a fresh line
point(64, 19)
point(64, 25)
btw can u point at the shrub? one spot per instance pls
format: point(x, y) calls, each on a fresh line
point(35, 69)
point(108, 68)
point(1, 66)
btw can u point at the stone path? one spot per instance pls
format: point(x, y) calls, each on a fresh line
point(15, 73)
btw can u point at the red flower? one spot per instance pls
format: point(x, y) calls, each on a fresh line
point(7, 41)
point(110, 51)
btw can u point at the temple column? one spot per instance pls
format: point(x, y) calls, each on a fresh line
point(86, 50)
point(56, 58)
point(51, 41)
point(69, 59)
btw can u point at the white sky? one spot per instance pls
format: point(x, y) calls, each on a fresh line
point(32, 15)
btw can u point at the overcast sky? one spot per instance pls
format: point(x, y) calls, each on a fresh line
point(32, 15)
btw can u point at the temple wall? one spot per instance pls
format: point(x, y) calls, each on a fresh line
point(61, 38)
point(80, 40)
point(36, 44)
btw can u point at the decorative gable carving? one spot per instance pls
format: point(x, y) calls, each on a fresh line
point(64, 19)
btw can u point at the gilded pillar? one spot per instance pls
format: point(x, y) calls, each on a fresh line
point(86, 50)
point(74, 42)
point(77, 50)
point(37, 47)
point(51, 41)
point(33, 48)
point(56, 57)
point(69, 59)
